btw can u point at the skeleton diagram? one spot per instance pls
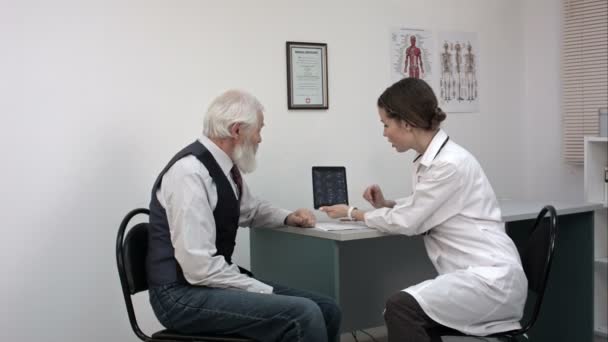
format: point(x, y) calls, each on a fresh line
point(469, 74)
point(458, 80)
point(446, 73)
point(458, 49)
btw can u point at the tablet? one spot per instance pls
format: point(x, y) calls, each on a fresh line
point(329, 185)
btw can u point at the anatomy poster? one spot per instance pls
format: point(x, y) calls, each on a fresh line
point(458, 87)
point(411, 54)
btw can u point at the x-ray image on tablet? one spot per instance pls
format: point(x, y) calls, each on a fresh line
point(329, 185)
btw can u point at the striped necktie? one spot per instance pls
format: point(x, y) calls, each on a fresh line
point(238, 180)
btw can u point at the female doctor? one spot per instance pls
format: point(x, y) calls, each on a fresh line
point(481, 287)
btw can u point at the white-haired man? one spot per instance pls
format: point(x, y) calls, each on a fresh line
point(198, 202)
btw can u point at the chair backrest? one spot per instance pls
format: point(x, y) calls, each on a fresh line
point(537, 256)
point(131, 261)
point(131, 254)
point(136, 249)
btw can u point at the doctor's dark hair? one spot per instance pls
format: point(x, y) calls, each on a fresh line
point(413, 101)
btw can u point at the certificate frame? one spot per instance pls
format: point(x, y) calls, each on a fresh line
point(307, 75)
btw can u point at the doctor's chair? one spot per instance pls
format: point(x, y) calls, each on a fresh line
point(536, 256)
point(131, 260)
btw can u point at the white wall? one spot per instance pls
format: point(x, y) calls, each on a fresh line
point(549, 176)
point(96, 96)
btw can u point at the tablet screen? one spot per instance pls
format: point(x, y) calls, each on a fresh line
point(329, 185)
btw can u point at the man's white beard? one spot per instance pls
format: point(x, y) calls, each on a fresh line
point(244, 157)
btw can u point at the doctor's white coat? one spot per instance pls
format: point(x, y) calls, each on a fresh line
point(481, 287)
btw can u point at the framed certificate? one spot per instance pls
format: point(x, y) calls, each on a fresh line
point(307, 75)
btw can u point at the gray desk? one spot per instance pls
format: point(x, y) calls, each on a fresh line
point(362, 268)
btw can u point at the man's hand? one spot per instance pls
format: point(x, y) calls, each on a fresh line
point(301, 218)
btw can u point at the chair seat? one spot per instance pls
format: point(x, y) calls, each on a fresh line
point(171, 335)
point(469, 339)
point(460, 337)
point(450, 335)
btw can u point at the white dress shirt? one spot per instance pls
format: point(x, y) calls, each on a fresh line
point(189, 196)
point(481, 287)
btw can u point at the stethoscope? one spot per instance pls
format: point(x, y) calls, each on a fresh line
point(439, 150)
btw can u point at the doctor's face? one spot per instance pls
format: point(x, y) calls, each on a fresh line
point(397, 132)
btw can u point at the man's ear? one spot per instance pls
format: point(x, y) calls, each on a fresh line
point(235, 130)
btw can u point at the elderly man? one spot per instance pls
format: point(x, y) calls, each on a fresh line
point(198, 202)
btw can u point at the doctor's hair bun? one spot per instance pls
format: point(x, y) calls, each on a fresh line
point(412, 101)
point(439, 115)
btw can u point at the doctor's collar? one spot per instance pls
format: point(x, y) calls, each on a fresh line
point(439, 141)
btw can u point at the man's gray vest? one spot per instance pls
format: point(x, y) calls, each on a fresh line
point(162, 267)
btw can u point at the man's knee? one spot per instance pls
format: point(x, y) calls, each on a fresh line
point(331, 311)
point(307, 309)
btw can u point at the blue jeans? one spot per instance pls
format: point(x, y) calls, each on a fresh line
point(287, 315)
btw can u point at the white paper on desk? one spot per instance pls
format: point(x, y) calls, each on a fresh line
point(340, 225)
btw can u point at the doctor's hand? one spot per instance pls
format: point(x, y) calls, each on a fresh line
point(373, 194)
point(335, 211)
point(301, 218)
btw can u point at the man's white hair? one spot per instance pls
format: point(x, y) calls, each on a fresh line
point(233, 106)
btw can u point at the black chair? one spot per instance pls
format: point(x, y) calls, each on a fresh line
point(536, 257)
point(131, 259)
